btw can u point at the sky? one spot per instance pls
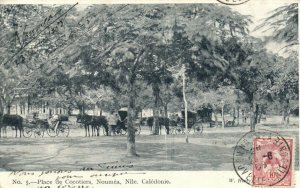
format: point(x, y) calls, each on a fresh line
point(257, 12)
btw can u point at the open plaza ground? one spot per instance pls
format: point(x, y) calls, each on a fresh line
point(212, 150)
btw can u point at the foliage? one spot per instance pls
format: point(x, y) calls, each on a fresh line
point(283, 22)
point(113, 56)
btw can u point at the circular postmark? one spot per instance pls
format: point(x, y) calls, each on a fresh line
point(233, 2)
point(263, 158)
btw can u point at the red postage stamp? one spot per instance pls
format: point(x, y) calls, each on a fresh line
point(272, 161)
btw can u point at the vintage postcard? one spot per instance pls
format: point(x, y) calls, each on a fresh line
point(149, 94)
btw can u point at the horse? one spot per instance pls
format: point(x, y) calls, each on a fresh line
point(167, 122)
point(15, 121)
point(94, 121)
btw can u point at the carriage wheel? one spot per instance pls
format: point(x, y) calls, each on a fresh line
point(27, 132)
point(138, 130)
point(198, 129)
point(39, 133)
point(117, 131)
point(172, 130)
point(63, 130)
point(123, 132)
point(179, 130)
point(51, 132)
point(188, 130)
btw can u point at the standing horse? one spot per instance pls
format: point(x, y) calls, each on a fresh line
point(162, 121)
point(85, 120)
point(94, 121)
point(15, 121)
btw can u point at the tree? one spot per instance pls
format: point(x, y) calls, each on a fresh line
point(129, 46)
point(10, 19)
point(286, 86)
point(123, 66)
point(124, 43)
point(283, 24)
point(30, 32)
point(155, 70)
point(255, 80)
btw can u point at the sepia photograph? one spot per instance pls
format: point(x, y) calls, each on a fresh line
point(134, 88)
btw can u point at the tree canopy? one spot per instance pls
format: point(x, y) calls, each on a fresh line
point(113, 56)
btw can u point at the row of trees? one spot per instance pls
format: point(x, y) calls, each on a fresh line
point(136, 55)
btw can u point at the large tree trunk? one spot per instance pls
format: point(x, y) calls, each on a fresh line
point(252, 124)
point(238, 109)
point(254, 108)
point(166, 110)
point(259, 115)
point(257, 109)
point(286, 112)
point(130, 128)
point(166, 119)
point(156, 90)
point(234, 113)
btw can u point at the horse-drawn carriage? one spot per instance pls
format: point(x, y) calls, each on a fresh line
point(194, 124)
point(121, 127)
point(35, 126)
